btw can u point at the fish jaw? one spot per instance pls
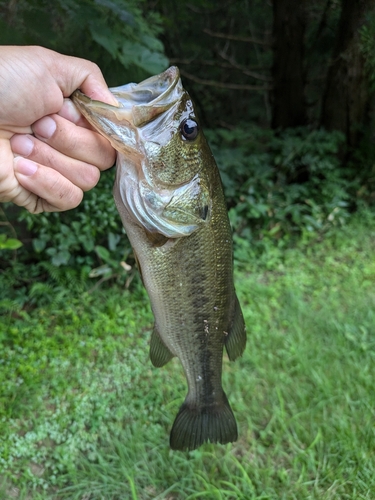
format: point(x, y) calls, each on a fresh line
point(141, 109)
point(151, 97)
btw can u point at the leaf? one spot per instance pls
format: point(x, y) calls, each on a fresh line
point(152, 43)
point(103, 253)
point(138, 54)
point(104, 270)
point(153, 62)
point(61, 258)
point(113, 240)
point(9, 243)
point(39, 244)
point(121, 13)
point(87, 240)
point(102, 35)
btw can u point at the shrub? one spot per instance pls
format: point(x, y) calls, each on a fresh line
point(280, 185)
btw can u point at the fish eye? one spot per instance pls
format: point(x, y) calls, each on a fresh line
point(189, 129)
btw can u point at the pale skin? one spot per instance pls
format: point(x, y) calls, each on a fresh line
point(48, 153)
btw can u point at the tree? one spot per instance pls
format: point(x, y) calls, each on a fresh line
point(289, 107)
point(346, 97)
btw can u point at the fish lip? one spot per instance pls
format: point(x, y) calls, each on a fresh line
point(138, 103)
point(157, 88)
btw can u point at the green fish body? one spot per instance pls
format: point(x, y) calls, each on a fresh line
point(169, 195)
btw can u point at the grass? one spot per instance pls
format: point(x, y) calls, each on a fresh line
point(85, 416)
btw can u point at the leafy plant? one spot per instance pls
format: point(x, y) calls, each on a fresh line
point(109, 31)
point(282, 185)
point(7, 243)
point(73, 238)
point(279, 187)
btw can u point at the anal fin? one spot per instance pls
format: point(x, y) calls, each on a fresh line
point(159, 353)
point(235, 342)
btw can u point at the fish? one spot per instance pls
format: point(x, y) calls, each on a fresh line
point(170, 198)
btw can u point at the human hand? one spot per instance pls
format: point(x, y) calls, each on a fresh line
point(60, 157)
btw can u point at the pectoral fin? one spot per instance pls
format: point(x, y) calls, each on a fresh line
point(138, 265)
point(159, 353)
point(235, 342)
point(157, 239)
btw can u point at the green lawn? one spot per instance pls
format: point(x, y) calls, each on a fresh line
point(84, 415)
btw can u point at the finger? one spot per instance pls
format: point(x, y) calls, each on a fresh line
point(82, 174)
point(55, 192)
point(75, 141)
point(72, 73)
point(70, 112)
point(10, 188)
point(8, 183)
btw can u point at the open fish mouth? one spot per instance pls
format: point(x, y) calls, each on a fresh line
point(150, 97)
point(144, 117)
point(138, 103)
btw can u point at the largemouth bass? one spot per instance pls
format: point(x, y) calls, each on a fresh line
point(169, 195)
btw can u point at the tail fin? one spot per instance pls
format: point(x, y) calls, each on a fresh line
point(196, 425)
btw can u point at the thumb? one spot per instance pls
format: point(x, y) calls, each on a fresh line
point(73, 73)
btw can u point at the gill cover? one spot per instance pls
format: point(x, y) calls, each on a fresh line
point(171, 212)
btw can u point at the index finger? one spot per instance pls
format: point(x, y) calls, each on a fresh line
point(75, 141)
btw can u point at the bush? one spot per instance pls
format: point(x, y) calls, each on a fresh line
point(282, 185)
point(66, 249)
point(77, 237)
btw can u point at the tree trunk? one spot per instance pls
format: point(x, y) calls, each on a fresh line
point(346, 97)
point(289, 107)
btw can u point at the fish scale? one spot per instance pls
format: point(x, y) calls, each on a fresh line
point(170, 198)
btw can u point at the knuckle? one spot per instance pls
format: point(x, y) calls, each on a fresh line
point(94, 68)
point(91, 179)
point(75, 197)
point(31, 202)
point(66, 194)
point(105, 154)
point(71, 138)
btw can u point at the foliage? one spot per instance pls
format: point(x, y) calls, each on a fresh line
point(279, 186)
point(84, 412)
point(89, 239)
point(282, 185)
point(7, 243)
point(119, 33)
point(368, 48)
